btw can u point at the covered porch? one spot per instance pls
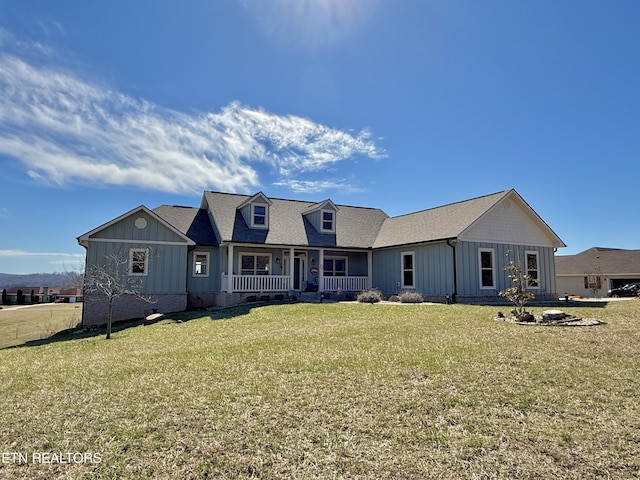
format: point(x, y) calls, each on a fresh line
point(273, 270)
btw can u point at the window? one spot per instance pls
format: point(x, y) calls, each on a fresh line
point(138, 261)
point(335, 266)
point(201, 264)
point(327, 221)
point(408, 273)
point(259, 215)
point(253, 264)
point(532, 269)
point(487, 273)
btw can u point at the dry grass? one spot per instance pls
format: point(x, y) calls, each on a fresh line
point(19, 325)
point(333, 391)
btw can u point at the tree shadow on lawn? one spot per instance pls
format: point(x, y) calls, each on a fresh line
point(177, 317)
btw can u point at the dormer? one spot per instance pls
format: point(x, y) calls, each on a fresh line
point(255, 211)
point(323, 216)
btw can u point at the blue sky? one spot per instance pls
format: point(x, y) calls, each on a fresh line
point(401, 105)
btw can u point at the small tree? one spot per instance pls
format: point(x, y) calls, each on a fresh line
point(517, 293)
point(113, 281)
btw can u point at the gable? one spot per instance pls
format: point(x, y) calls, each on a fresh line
point(511, 221)
point(139, 225)
point(255, 211)
point(322, 216)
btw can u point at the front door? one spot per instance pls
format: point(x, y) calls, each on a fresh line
point(299, 270)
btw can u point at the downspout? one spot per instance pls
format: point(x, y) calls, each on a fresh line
point(452, 243)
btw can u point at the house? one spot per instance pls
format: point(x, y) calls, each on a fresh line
point(237, 247)
point(593, 272)
point(33, 295)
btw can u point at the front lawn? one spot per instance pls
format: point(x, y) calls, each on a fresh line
point(330, 391)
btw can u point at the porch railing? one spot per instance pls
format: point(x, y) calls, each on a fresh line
point(258, 283)
point(349, 284)
point(282, 283)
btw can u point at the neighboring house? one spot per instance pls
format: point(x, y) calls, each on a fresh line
point(31, 295)
point(593, 272)
point(236, 247)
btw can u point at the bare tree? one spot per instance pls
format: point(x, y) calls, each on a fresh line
point(113, 281)
point(517, 293)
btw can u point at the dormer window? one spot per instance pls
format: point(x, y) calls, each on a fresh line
point(328, 221)
point(255, 211)
point(259, 216)
point(323, 216)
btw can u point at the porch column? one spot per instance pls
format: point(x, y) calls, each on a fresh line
point(370, 269)
point(321, 270)
point(291, 269)
point(230, 268)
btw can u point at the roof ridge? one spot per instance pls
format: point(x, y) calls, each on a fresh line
point(454, 203)
point(312, 202)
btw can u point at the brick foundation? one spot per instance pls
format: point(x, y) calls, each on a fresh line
point(128, 307)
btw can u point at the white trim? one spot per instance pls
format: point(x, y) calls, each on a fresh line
point(334, 258)
point(412, 254)
point(146, 262)
point(493, 268)
point(207, 264)
point(255, 267)
point(333, 221)
point(322, 206)
point(83, 239)
point(526, 268)
point(129, 240)
point(253, 215)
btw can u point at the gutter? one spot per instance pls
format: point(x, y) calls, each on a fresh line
point(452, 243)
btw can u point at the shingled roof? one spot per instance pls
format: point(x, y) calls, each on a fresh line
point(606, 261)
point(190, 221)
point(356, 227)
point(439, 223)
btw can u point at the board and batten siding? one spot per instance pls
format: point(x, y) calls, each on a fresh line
point(201, 283)
point(126, 229)
point(468, 265)
point(167, 261)
point(166, 267)
point(433, 269)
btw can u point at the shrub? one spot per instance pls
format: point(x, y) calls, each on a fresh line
point(370, 296)
point(410, 296)
point(517, 293)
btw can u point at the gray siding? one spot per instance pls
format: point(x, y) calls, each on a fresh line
point(469, 269)
point(433, 269)
point(126, 229)
point(167, 263)
point(210, 283)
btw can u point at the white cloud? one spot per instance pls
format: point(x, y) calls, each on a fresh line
point(66, 129)
point(315, 186)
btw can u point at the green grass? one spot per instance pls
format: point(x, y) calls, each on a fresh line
point(332, 391)
point(25, 324)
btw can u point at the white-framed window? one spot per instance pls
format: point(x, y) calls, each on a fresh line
point(139, 261)
point(486, 264)
point(335, 266)
point(201, 264)
point(328, 220)
point(408, 269)
point(532, 268)
point(259, 215)
point(255, 263)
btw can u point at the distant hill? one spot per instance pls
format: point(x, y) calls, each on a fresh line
point(51, 280)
